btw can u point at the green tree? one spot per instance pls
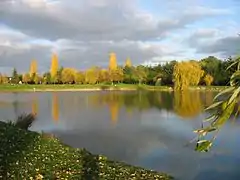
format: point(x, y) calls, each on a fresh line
point(47, 78)
point(129, 75)
point(212, 66)
point(15, 77)
point(59, 75)
point(167, 72)
point(141, 74)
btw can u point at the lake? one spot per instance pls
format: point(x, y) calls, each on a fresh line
point(147, 129)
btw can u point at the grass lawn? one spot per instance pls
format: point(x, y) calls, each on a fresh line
point(85, 87)
point(30, 155)
point(75, 87)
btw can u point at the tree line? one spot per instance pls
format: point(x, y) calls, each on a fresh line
point(207, 71)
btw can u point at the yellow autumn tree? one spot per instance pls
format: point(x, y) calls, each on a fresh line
point(26, 78)
point(208, 79)
point(3, 79)
point(92, 75)
point(33, 68)
point(128, 62)
point(186, 74)
point(79, 77)
point(112, 61)
point(37, 79)
point(116, 75)
point(54, 66)
point(68, 75)
point(104, 76)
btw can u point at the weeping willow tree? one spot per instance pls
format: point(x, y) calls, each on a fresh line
point(225, 107)
point(187, 73)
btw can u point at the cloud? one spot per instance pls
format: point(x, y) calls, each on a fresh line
point(216, 41)
point(227, 46)
point(83, 32)
point(92, 20)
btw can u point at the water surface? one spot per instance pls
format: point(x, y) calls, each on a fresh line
point(148, 129)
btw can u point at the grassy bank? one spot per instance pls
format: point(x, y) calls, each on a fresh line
point(69, 87)
point(97, 87)
point(29, 155)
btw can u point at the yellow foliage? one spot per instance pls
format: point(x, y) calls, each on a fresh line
point(26, 78)
point(116, 74)
point(3, 79)
point(186, 73)
point(33, 68)
point(113, 61)
point(184, 105)
point(208, 79)
point(92, 75)
point(104, 75)
point(54, 66)
point(37, 79)
point(80, 78)
point(128, 63)
point(68, 75)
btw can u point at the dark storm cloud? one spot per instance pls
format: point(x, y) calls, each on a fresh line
point(227, 46)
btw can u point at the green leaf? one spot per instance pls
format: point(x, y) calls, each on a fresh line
point(214, 105)
point(236, 114)
point(228, 90)
point(206, 130)
point(234, 63)
point(203, 145)
point(225, 115)
point(234, 95)
point(235, 78)
point(210, 129)
point(212, 117)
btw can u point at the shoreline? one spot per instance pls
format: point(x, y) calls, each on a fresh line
point(31, 154)
point(79, 88)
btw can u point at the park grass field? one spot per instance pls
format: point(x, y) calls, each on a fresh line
point(76, 87)
point(96, 87)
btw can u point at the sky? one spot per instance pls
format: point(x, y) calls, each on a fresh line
point(84, 32)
